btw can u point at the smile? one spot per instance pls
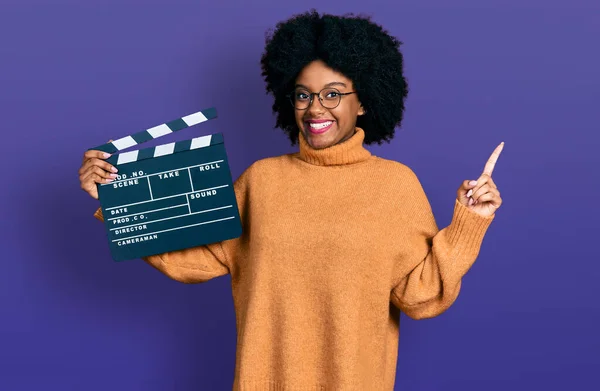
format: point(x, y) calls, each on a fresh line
point(319, 127)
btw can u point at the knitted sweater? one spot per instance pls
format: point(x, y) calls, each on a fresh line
point(330, 239)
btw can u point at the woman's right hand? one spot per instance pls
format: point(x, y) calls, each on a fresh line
point(95, 170)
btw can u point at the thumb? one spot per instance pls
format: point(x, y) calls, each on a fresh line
point(464, 191)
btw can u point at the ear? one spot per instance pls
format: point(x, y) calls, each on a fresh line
point(361, 110)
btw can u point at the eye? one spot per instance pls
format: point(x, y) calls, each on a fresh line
point(301, 95)
point(331, 94)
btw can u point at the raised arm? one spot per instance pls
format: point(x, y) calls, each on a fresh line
point(429, 282)
point(201, 263)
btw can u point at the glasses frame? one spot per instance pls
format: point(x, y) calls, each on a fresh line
point(318, 94)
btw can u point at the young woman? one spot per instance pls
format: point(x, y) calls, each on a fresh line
point(336, 241)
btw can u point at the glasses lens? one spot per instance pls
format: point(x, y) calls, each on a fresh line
point(301, 99)
point(330, 97)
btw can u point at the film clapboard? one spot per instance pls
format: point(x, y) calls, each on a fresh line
point(169, 197)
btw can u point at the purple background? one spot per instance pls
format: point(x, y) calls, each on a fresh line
point(75, 74)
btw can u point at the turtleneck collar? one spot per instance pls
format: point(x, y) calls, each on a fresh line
point(347, 152)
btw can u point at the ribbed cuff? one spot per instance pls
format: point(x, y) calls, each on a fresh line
point(267, 385)
point(467, 228)
point(98, 214)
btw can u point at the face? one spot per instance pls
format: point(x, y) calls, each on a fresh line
point(323, 127)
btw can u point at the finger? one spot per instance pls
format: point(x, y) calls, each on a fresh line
point(468, 184)
point(89, 184)
point(104, 154)
point(99, 163)
point(465, 186)
point(99, 175)
point(494, 199)
point(94, 153)
point(491, 163)
point(90, 187)
point(481, 181)
point(481, 191)
point(104, 166)
point(483, 197)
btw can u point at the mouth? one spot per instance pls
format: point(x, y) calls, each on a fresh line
point(318, 126)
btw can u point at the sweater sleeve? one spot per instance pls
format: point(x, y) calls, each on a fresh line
point(205, 262)
point(428, 280)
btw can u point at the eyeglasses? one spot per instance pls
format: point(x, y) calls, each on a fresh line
point(329, 98)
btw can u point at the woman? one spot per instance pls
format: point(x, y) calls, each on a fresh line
point(332, 235)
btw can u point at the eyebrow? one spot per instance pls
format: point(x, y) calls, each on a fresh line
point(333, 83)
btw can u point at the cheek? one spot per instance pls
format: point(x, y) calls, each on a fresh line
point(343, 116)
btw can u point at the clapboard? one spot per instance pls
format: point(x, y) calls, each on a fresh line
point(169, 197)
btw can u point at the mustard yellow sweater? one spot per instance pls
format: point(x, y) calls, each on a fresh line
point(330, 239)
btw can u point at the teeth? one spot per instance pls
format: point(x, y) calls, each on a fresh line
point(321, 125)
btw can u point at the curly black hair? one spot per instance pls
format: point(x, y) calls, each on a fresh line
point(352, 45)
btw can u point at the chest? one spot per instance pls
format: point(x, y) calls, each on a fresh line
point(326, 232)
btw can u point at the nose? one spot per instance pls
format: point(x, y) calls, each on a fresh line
point(315, 107)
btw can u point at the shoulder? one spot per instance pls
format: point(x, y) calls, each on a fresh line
point(408, 190)
point(400, 177)
point(265, 168)
point(261, 166)
point(399, 170)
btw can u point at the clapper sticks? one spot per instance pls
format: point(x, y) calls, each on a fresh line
point(169, 197)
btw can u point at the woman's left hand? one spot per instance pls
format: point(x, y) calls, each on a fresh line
point(482, 196)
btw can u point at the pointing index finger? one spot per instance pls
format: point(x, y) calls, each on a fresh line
point(491, 163)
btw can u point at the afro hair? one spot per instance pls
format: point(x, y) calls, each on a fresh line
point(352, 45)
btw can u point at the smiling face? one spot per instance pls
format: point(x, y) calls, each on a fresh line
point(323, 127)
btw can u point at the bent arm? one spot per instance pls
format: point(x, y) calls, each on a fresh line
point(430, 282)
point(191, 265)
point(202, 263)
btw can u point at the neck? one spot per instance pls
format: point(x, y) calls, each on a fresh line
point(347, 152)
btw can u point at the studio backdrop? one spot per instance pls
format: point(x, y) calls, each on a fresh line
point(76, 74)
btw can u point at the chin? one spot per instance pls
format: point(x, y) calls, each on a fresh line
point(320, 141)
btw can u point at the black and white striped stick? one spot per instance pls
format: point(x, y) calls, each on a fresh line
point(159, 131)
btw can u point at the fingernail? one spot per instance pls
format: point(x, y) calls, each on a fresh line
point(114, 169)
point(469, 193)
point(106, 155)
point(472, 183)
point(113, 175)
point(470, 201)
point(107, 180)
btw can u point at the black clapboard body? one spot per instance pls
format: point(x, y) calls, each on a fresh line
point(170, 197)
